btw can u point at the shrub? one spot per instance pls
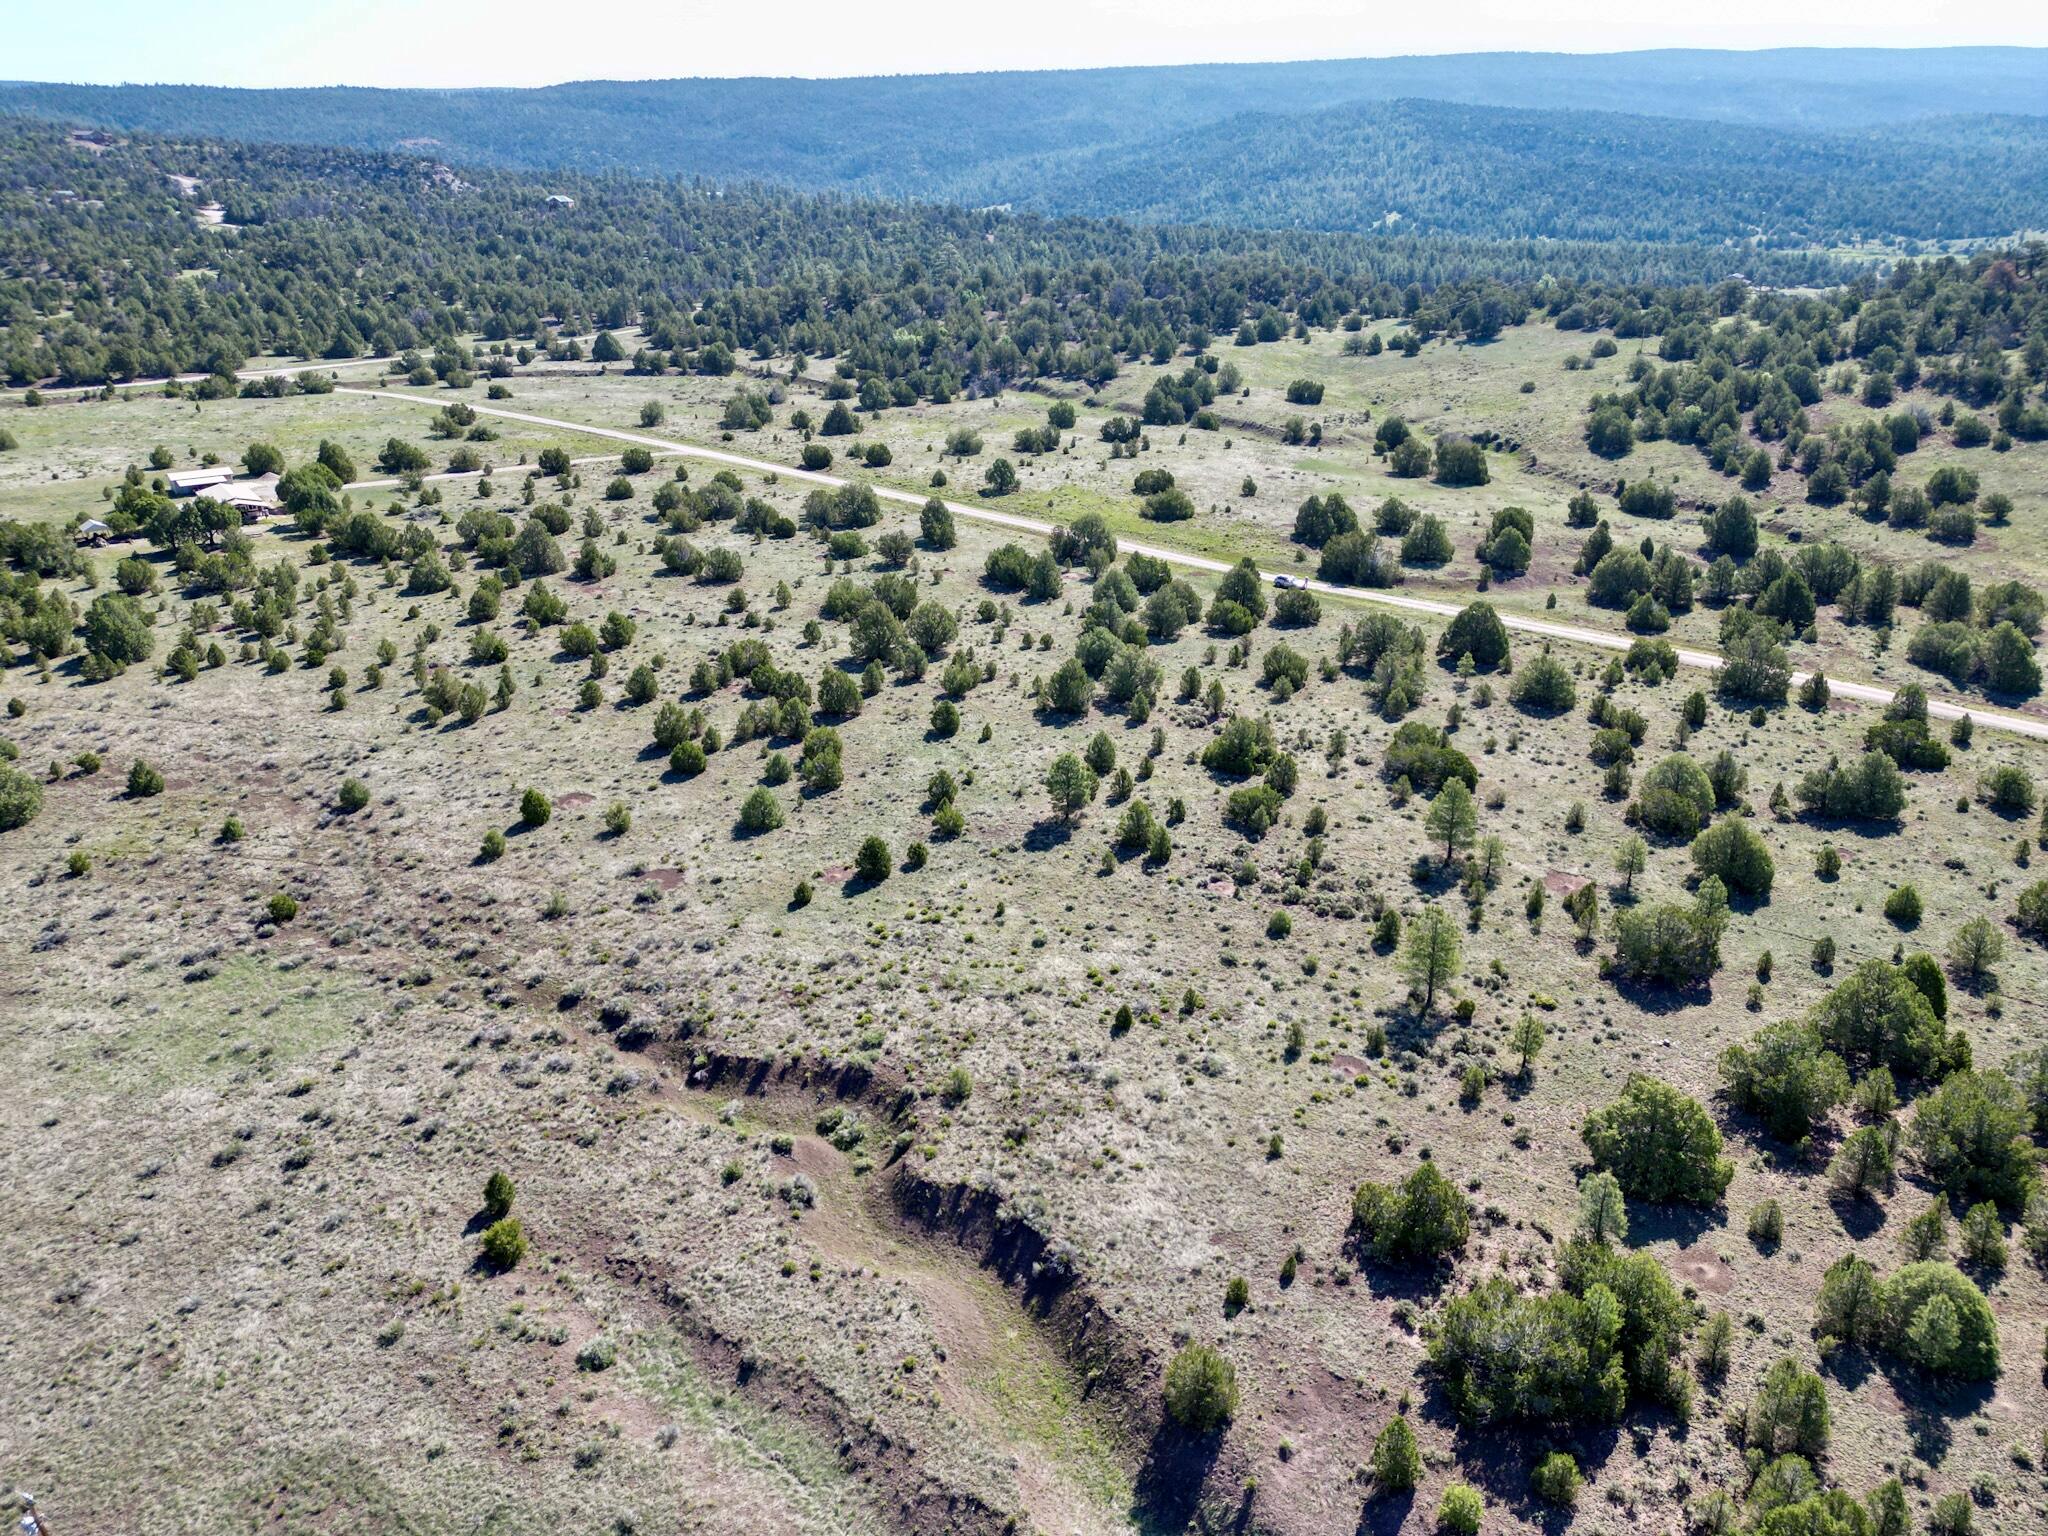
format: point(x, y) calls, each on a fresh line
point(1903, 907)
point(1870, 789)
point(1422, 1219)
point(143, 780)
point(504, 1243)
point(1543, 686)
point(1356, 559)
point(872, 861)
point(1931, 1315)
point(1502, 1356)
point(1971, 1135)
point(1285, 664)
point(1423, 755)
point(1297, 609)
point(1952, 1515)
point(1556, 1480)
point(1673, 945)
point(1253, 809)
point(1396, 1460)
point(1660, 1144)
point(1786, 1078)
point(354, 795)
point(1476, 632)
point(1675, 798)
point(535, 808)
point(1733, 853)
point(21, 798)
point(1789, 1413)
point(1767, 1224)
point(1461, 1510)
point(1201, 1389)
point(2030, 915)
point(1172, 505)
point(281, 908)
point(1878, 1017)
point(498, 1196)
point(2008, 790)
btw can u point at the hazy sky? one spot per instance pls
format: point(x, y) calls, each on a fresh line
point(534, 42)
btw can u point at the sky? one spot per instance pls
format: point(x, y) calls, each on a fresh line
point(540, 42)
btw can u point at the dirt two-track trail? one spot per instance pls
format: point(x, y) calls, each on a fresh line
point(1861, 693)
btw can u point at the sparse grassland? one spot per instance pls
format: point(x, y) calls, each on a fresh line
point(861, 1202)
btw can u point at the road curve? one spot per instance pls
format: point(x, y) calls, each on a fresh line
point(1862, 693)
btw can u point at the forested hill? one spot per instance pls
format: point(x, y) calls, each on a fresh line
point(948, 136)
point(107, 271)
point(1438, 167)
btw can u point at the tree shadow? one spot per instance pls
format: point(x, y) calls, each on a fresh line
point(1682, 1225)
point(1803, 1158)
point(1385, 1514)
point(1931, 1409)
point(1661, 998)
point(1047, 835)
point(1849, 1366)
point(1499, 1459)
point(1860, 1219)
point(1168, 1492)
point(1412, 1029)
point(1392, 1280)
point(1869, 831)
point(1432, 877)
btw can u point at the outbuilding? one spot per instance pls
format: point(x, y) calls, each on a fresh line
point(190, 482)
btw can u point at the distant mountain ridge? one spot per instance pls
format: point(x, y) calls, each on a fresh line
point(1512, 173)
point(1919, 143)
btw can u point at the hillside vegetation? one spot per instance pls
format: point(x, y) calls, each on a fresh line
point(1809, 121)
point(1431, 166)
